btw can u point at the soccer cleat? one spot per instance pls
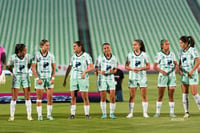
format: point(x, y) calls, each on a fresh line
point(71, 117)
point(130, 115)
point(11, 118)
point(187, 115)
point(112, 116)
point(40, 118)
point(145, 115)
point(49, 117)
point(172, 115)
point(87, 117)
point(29, 118)
point(157, 115)
point(104, 116)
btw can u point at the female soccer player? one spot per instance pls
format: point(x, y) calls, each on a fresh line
point(106, 67)
point(43, 68)
point(137, 64)
point(167, 78)
point(2, 65)
point(189, 62)
point(19, 64)
point(80, 63)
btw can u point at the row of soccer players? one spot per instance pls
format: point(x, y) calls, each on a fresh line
point(43, 68)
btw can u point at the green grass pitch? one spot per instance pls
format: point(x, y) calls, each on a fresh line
point(138, 124)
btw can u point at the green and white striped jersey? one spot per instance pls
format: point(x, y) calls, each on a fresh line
point(166, 62)
point(137, 61)
point(44, 64)
point(79, 64)
point(106, 65)
point(20, 66)
point(188, 59)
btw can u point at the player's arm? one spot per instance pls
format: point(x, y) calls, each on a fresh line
point(147, 67)
point(3, 59)
point(66, 74)
point(96, 70)
point(180, 69)
point(35, 73)
point(53, 72)
point(197, 63)
point(155, 67)
point(127, 67)
point(89, 69)
point(10, 67)
point(176, 66)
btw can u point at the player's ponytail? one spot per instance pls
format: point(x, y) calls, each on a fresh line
point(19, 48)
point(191, 41)
point(142, 48)
point(80, 44)
point(188, 39)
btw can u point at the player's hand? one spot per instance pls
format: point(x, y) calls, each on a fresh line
point(112, 71)
point(39, 82)
point(64, 83)
point(102, 72)
point(52, 81)
point(2, 78)
point(190, 74)
point(135, 70)
point(83, 75)
point(163, 72)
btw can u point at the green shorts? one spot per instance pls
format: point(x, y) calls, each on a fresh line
point(46, 83)
point(164, 81)
point(194, 80)
point(137, 83)
point(107, 85)
point(79, 84)
point(18, 83)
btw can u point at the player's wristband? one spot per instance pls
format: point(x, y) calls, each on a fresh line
point(53, 78)
point(37, 78)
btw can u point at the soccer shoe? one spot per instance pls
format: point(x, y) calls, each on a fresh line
point(172, 115)
point(29, 118)
point(157, 115)
point(40, 118)
point(112, 116)
point(130, 115)
point(145, 115)
point(87, 117)
point(104, 116)
point(187, 115)
point(11, 118)
point(49, 117)
point(71, 117)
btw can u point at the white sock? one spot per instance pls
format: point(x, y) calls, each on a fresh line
point(39, 111)
point(158, 107)
point(131, 107)
point(185, 102)
point(171, 107)
point(12, 108)
point(103, 107)
point(145, 107)
point(87, 109)
point(112, 107)
point(73, 109)
point(28, 107)
point(197, 100)
point(49, 109)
